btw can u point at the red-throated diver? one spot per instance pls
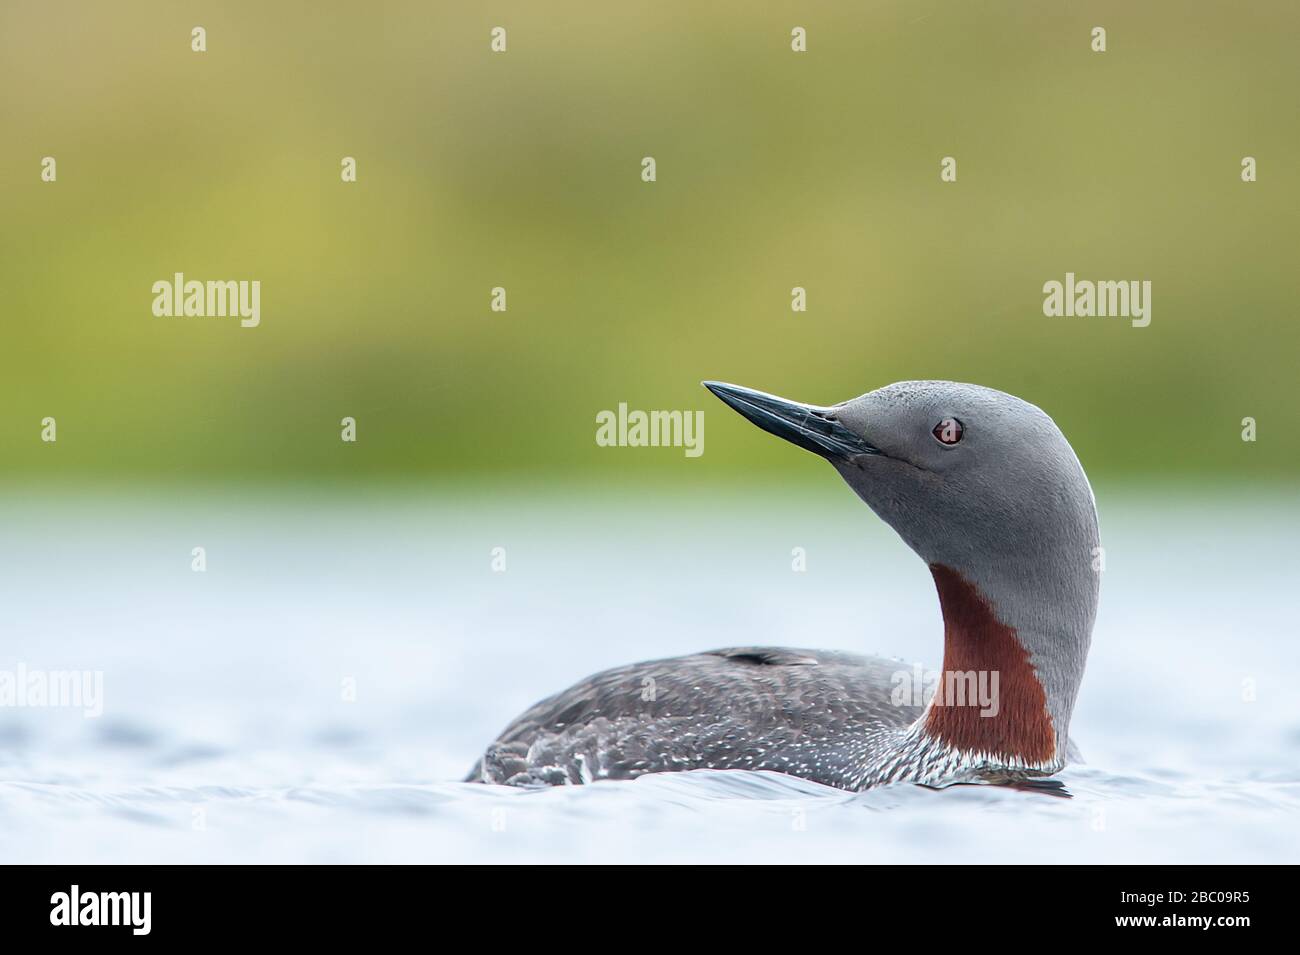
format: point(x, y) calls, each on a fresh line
point(987, 491)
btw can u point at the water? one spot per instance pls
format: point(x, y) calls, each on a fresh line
point(226, 736)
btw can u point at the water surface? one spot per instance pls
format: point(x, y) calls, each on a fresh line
point(318, 692)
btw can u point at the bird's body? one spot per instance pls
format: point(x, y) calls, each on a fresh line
point(986, 490)
point(818, 714)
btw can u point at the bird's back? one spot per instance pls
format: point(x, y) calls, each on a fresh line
point(820, 715)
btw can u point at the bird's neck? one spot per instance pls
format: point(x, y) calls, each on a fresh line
point(990, 703)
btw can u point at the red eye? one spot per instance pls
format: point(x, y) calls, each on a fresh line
point(948, 431)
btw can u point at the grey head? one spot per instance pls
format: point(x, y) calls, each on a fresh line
point(987, 491)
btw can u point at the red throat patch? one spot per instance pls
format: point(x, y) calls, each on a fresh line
point(977, 645)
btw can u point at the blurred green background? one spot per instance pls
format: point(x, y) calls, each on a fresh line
point(522, 170)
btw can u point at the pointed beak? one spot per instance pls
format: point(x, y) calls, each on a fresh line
point(812, 428)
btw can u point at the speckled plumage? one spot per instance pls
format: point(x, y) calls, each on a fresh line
point(818, 714)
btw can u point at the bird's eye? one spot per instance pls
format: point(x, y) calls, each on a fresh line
point(948, 431)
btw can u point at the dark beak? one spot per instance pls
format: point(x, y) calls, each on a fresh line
point(812, 428)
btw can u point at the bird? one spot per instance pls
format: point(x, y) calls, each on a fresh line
point(987, 491)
